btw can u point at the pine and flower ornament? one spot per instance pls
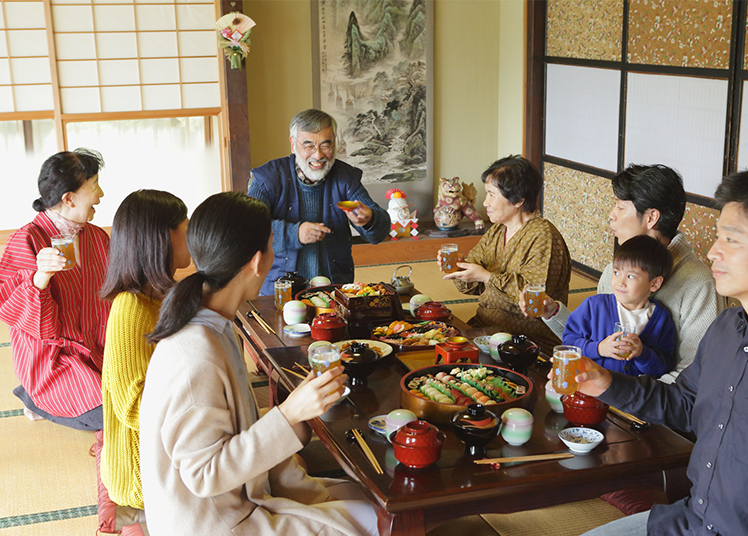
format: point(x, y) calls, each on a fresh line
point(233, 36)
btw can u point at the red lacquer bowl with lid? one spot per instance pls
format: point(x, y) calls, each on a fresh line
point(418, 444)
point(328, 327)
point(433, 310)
point(582, 409)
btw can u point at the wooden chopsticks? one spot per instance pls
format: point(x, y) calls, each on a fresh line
point(262, 323)
point(367, 451)
point(532, 458)
point(294, 373)
point(301, 367)
point(626, 416)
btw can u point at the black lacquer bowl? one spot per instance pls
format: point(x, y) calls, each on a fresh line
point(476, 427)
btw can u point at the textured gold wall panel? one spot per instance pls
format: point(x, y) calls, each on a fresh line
point(589, 29)
point(686, 33)
point(699, 225)
point(578, 204)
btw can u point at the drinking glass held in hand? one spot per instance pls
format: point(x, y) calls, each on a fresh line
point(535, 297)
point(625, 330)
point(324, 358)
point(566, 366)
point(450, 256)
point(66, 246)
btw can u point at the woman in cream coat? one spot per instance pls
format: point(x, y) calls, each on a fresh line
point(209, 466)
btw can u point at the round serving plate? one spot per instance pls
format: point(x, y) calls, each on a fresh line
point(412, 348)
point(435, 412)
point(381, 348)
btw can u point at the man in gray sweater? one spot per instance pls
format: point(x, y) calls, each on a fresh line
point(651, 200)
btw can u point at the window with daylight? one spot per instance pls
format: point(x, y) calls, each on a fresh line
point(138, 81)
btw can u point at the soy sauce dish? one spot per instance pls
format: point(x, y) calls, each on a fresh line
point(580, 440)
point(297, 330)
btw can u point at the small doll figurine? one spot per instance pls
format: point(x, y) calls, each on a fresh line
point(404, 221)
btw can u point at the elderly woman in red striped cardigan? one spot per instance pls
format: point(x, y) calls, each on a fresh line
point(56, 319)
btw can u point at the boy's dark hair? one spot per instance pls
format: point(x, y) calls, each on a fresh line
point(733, 189)
point(657, 187)
point(646, 253)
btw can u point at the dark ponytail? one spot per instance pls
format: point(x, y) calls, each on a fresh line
point(65, 172)
point(225, 232)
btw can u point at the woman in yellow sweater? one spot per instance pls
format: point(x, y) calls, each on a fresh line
point(148, 245)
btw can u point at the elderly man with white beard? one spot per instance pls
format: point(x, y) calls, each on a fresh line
point(312, 235)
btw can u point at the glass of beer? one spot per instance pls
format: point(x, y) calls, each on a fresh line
point(282, 293)
point(625, 330)
point(324, 358)
point(66, 246)
point(450, 256)
point(566, 366)
point(535, 298)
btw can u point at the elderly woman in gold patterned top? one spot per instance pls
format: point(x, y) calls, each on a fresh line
point(521, 248)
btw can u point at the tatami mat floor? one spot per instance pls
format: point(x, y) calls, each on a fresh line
point(48, 481)
point(429, 280)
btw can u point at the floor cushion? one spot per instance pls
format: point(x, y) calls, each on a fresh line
point(113, 518)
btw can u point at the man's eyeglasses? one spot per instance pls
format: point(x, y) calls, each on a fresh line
point(324, 148)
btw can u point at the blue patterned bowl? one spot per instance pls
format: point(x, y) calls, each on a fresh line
point(580, 440)
point(482, 343)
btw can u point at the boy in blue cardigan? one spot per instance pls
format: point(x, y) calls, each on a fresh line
point(639, 268)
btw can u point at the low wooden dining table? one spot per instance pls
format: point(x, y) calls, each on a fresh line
point(412, 502)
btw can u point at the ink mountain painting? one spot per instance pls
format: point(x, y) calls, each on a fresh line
point(373, 81)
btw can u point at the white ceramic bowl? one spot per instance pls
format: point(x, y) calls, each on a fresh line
point(580, 440)
point(495, 341)
point(319, 281)
point(482, 343)
point(396, 419)
point(416, 301)
point(294, 312)
point(553, 398)
point(517, 426)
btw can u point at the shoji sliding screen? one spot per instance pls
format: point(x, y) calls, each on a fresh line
point(137, 80)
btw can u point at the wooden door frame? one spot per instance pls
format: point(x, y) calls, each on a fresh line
point(235, 144)
point(535, 80)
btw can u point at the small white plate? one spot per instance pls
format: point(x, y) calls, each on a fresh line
point(297, 330)
point(377, 423)
point(381, 348)
point(346, 392)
